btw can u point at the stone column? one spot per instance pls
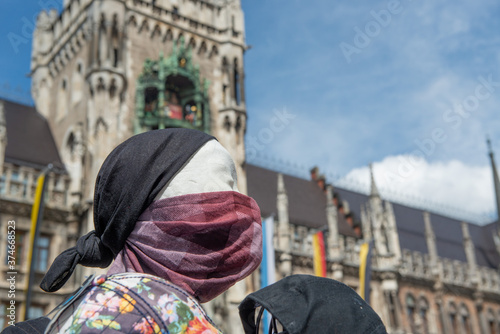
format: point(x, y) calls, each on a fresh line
point(470, 254)
point(285, 260)
point(3, 136)
point(333, 253)
point(445, 328)
point(430, 238)
point(478, 300)
point(392, 233)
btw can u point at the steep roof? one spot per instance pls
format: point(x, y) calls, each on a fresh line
point(29, 139)
point(448, 231)
point(306, 201)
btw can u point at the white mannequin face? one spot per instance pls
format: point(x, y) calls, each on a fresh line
point(210, 169)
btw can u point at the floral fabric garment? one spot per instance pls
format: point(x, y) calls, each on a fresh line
point(133, 303)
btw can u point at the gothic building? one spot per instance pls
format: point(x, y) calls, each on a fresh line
point(430, 273)
point(105, 70)
point(26, 148)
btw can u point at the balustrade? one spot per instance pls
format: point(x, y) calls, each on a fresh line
point(19, 184)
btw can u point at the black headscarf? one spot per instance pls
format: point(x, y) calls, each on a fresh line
point(129, 180)
point(306, 304)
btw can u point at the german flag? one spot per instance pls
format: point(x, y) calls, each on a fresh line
point(36, 219)
point(365, 256)
point(319, 254)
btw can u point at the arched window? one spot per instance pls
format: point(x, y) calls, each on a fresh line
point(423, 312)
point(180, 39)
point(115, 41)
point(465, 322)
point(227, 123)
point(77, 85)
point(385, 238)
point(192, 43)
point(453, 318)
point(213, 52)
point(492, 325)
point(169, 35)
point(203, 48)
point(62, 95)
point(410, 311)
point(156, 32)
point(225, 81)
point(237, 90)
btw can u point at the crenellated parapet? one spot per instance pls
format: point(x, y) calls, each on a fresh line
point(110, 83)
point(208, 19)
point(454, 273)
point(59, 37)
point(3, 136)
point(18, 185)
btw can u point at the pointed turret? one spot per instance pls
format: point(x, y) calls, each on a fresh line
point(496, 180)
point(373, 186)
point(285, 259)
point(496, 183)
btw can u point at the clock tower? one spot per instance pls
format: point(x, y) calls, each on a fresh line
point(103, 71)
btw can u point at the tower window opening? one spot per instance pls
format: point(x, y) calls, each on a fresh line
point(237, 127)
point(115, 40)
point(410, 311)
point(115, 57)
point(170, 94)
point(227, 124)
point(392, 309)
point(150, 99)
point(224, 94)
point(237, 93)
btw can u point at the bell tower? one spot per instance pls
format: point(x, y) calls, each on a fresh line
point(104, 70)
point(118, 67)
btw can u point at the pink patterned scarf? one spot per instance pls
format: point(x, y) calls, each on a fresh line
point(203, 243)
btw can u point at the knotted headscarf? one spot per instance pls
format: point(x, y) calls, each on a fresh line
point(130, 179)
point(201, 233)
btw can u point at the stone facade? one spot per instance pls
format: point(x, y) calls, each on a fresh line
point(104, 70)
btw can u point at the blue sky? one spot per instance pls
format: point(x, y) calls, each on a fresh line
point(412, 86)
point(388, 82)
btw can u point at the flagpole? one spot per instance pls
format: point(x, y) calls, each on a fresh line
point(268, 265)
point(36, 220)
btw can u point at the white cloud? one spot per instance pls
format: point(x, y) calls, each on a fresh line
point(452, 187)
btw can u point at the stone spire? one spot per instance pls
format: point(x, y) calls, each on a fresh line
point(496, 180)
point(430, 238)
point(469, 252)
point(496, 183)
point(3, 136)
point(285, 259)
point(373, 186)
point(282, 208)
point(331, 217)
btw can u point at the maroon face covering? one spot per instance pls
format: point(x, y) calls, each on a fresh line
point(204, 243)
